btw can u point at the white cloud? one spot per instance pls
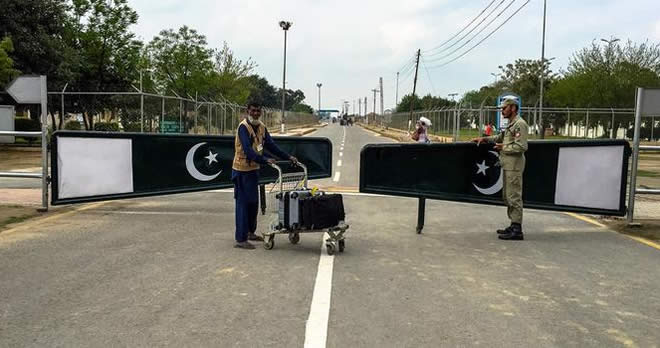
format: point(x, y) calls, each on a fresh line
point(348, 45)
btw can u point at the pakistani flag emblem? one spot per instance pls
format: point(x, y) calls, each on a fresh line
point(487, 177)
point(208, 163)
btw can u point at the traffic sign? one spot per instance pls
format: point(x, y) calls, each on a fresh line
point(26, 89)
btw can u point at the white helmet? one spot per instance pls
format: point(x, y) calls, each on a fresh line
point(425, 121)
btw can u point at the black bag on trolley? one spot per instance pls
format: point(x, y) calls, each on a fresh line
point(322, 211)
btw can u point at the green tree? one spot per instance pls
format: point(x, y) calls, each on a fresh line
point(606, 76)
point(183, 62)
point(109, 52)
point(7, 71)
point(41, 32)
point(264, 92)
point(523, 77)
point(425, 103)
point(231, 77)
point(302, 107)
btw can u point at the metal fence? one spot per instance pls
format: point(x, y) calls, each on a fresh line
point(587, 123)
point(145, 112)
point(156, 113)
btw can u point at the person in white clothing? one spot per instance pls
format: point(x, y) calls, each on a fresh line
point(420, 134)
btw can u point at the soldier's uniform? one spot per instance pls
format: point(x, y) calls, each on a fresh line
point(512, 159)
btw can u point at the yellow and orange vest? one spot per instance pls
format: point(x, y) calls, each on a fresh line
point(241, 162)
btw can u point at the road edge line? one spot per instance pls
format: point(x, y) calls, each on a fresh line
point(642, 240)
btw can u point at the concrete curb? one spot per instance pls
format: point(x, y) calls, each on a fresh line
point(399, 134)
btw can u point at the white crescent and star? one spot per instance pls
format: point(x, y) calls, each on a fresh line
point(190, 164)
point(482, 170)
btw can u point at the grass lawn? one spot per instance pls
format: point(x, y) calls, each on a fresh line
point(13, 214)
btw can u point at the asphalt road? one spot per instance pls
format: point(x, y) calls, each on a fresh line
point(162, 272)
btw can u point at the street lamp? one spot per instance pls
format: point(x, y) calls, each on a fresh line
point(611, 41)
point(609, 45)
point(495, 75)
point(542, 71)
point(319, 86)
point(285, 26)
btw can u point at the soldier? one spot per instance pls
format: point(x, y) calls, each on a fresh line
point(512, 144)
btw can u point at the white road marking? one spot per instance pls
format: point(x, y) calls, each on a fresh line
point(341, 148)
point(341, 154)
point(134, 212)
point(337, 176)
point(339, 163)
point(316, 329)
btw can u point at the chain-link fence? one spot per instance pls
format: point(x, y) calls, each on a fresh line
point(154, 113)
point(561, 123)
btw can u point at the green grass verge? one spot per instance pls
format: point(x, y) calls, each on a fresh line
point(648, 173)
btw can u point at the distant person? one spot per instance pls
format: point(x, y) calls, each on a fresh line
point(251, 139)
point(420, 134)
point(489, 130)
point(512, 145)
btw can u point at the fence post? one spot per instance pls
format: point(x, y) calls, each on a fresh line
point(612, 135)
point(587, 129)
point(63, 90)
point(162, 115)
point(635, 159)
point(44, 144)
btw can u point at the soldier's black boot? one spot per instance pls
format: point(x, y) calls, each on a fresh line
point(504, 231)
point(515, 233)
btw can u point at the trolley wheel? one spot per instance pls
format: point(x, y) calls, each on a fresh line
point(330, 248)
point(269, 243)
point(342, 245)
point(294, 238)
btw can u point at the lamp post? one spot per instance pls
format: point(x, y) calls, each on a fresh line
point(285, 26)
point(495, 75)
point(542, 72)
point(319, 86)
point(609, 45)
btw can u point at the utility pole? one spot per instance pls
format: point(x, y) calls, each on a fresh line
point(375, 91)
point(359, 107)
point(366, 110)
point(396, 101)
point(412, 100)
point(542, 73)
point(382, 104)
point(319, 86)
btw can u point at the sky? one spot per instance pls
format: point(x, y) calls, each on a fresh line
point(348, 45)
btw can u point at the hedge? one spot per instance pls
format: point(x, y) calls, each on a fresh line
point(106, 127)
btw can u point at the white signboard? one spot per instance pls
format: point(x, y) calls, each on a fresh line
point(26, 89)
point(651, 102)
point(6, 123)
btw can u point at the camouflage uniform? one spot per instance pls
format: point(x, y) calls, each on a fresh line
point(512, 159)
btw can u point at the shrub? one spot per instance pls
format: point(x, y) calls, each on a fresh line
point(73, 125)
point(133, 127)
point(106, 127)
point(27, 125)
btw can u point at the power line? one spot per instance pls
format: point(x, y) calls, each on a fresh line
point(429, 76)
point(467, 26)
point(403, 79)
point(475, 35)
point(408, 64)
point(484, 39)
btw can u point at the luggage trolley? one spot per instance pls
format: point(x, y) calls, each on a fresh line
point(295, 183)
